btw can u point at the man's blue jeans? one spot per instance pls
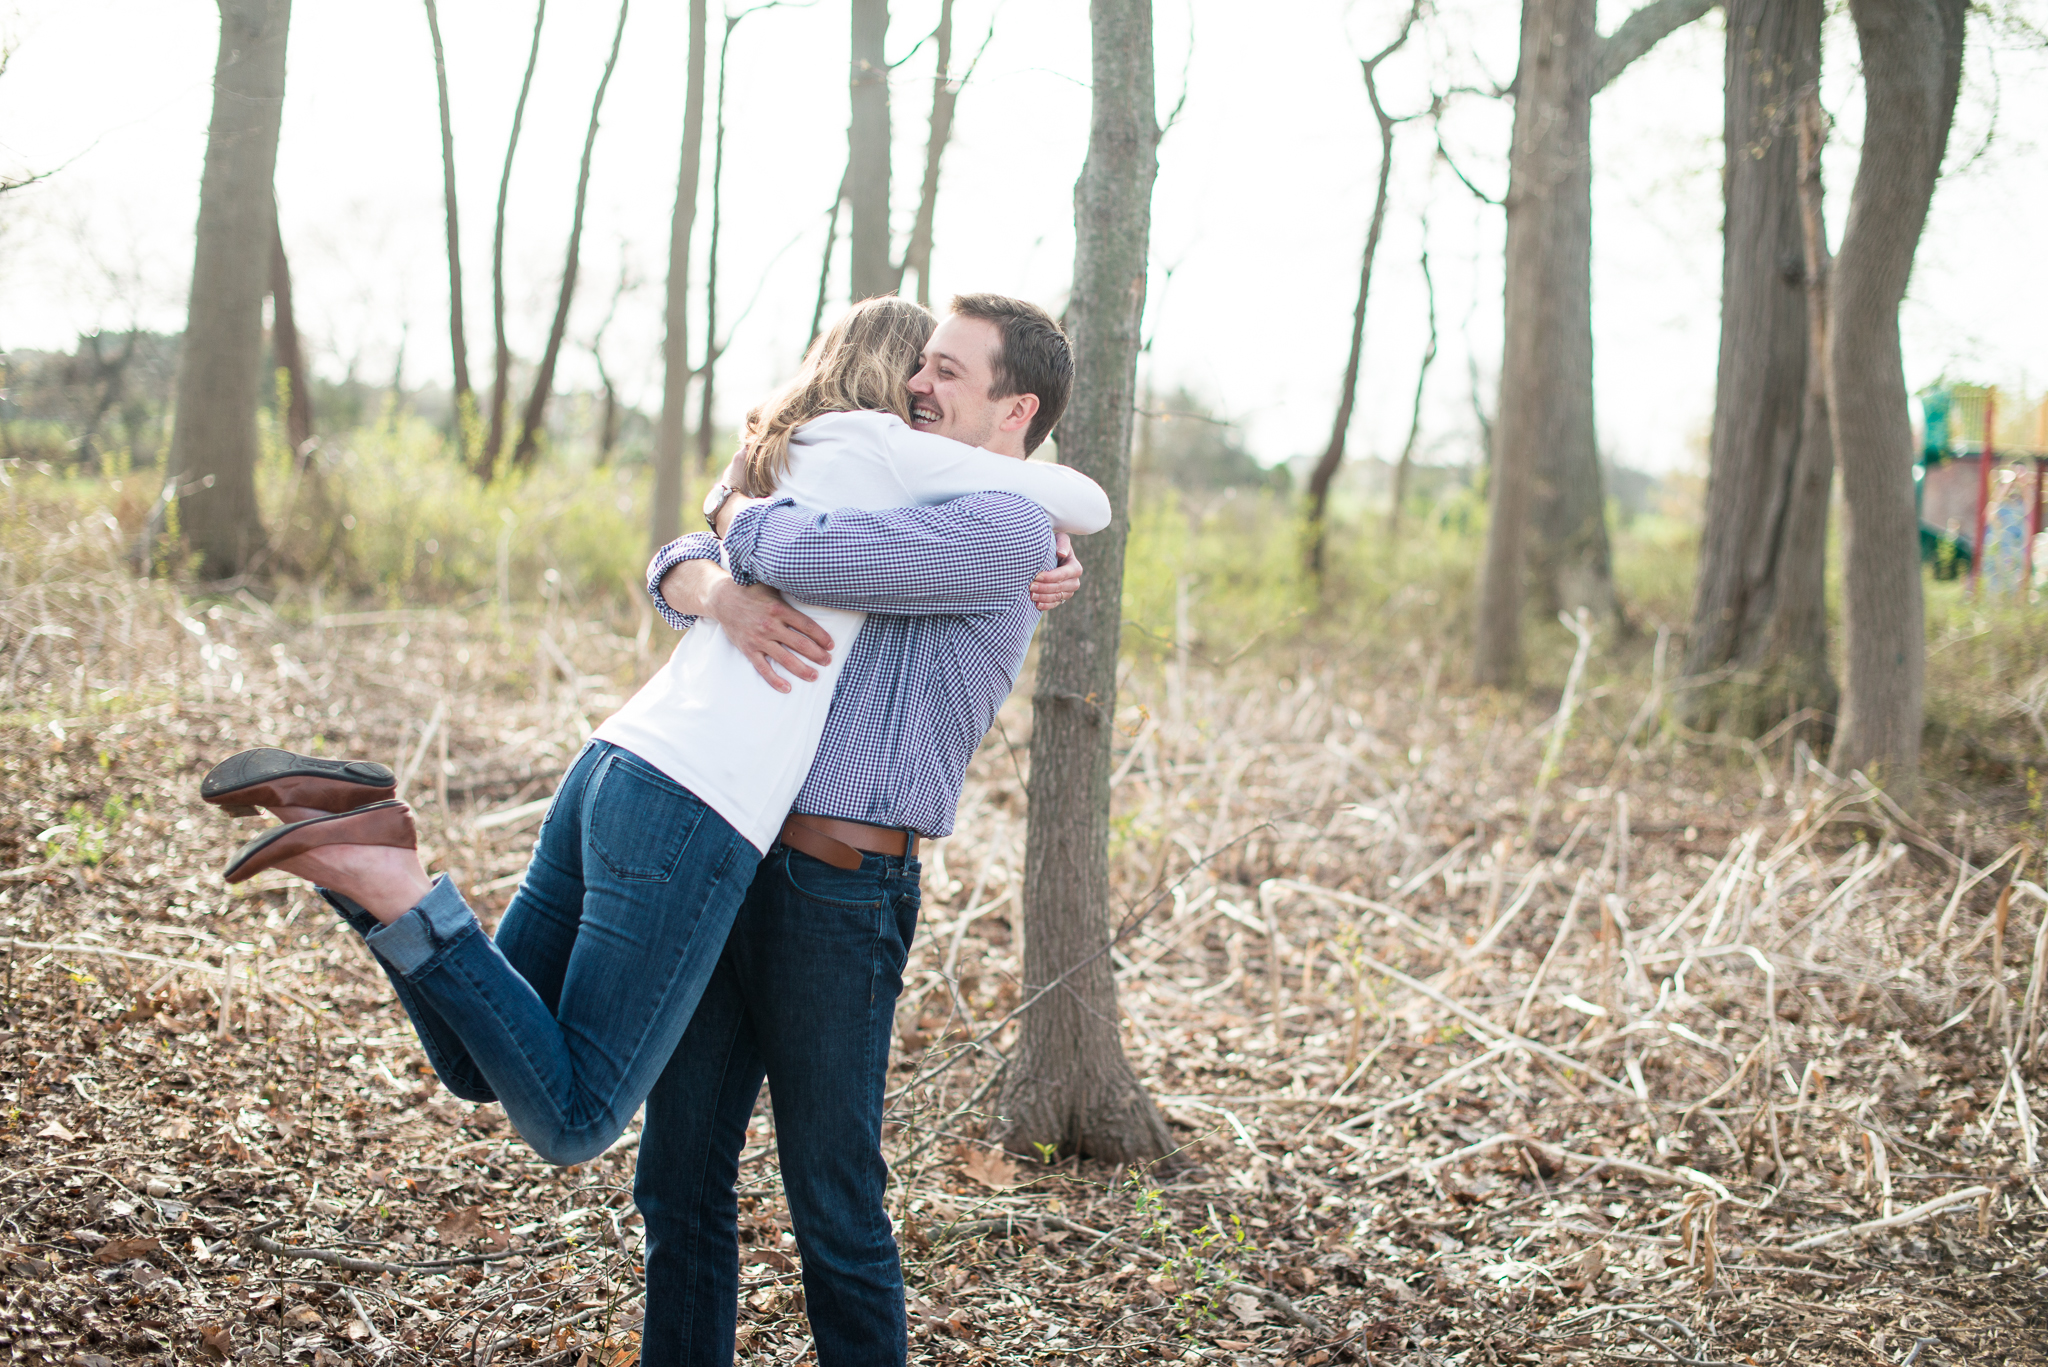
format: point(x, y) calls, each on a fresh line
point(805, 995)
point(569, 1017)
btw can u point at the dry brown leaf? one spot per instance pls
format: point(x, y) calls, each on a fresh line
point(990, 1168)
point(1246, 1307)
point(460, 1226)
point(55, 1130)
point(303, 1317)
point(177, 1127)
point(216, 1339)
point(121, 1250)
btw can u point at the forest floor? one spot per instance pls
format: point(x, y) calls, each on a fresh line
point(1655, 1051)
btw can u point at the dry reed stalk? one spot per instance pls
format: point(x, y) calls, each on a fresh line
point(1565, 925)
point(1925, 1210)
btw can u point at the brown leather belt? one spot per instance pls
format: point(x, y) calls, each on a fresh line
point(841, 843)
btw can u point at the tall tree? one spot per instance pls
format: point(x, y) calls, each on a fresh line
point(1912, 65)
point(1762, 556)
point(285, 350)
point(1068, 1083)
point(544, 375)
point(220, 367)
point(464, 401)
point(501, 372)
point(1546, 468)
point(946, 88)
point(867, 145)
point(1399, 497)
point(1327, 465)
point(667, 522)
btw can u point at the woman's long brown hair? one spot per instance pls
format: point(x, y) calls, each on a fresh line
point(863, 361)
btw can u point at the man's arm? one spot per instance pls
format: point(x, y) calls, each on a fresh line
point(969, 555)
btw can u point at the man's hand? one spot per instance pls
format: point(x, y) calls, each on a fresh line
point(1062, 581)
point(769, 632)
point(758, 620)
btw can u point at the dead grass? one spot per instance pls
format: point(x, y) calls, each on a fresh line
point(1450, 1089)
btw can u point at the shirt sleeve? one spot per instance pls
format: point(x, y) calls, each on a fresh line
point(695, 546)
point(970, 555)
point(935, 468)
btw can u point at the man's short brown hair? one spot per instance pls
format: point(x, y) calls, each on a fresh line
point(1034, 357)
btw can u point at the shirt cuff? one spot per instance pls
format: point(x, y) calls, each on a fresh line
point(743, 535)
point(695, 546)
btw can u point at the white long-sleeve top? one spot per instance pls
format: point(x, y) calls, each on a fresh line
point(710, 722)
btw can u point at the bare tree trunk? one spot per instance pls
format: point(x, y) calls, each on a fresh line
point(1415, 415)
point(945, 98)
point(286, 350)
point(712, 346)
point(825, 264)
point(456, 339)
point(667, 523)
point(501, 378)
point(1068, 1083)
point(868, 152)
point(1912, 64)
point(544, 377)
point(220, 370)
point(1327, 465)
point(1546, 468)
point(1758, 465)
point(1799, 627)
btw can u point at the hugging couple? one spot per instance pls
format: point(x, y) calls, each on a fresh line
point(726, 884)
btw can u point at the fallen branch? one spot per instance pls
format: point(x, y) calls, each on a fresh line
point(334, 1257)
point(1904, 1217)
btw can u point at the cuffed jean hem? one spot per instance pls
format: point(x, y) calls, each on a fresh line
point(412, 942)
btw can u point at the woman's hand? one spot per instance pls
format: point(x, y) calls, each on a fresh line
point(1062, 581)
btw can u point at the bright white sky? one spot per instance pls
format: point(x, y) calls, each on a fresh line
point(1259, 215)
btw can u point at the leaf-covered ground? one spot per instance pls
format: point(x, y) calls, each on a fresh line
point(1452, 1085)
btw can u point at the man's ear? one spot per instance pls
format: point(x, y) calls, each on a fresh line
point(1019, 411)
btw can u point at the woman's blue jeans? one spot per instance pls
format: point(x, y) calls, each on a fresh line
point(569, 1017)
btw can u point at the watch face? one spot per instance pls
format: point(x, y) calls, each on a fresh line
point(715, 499)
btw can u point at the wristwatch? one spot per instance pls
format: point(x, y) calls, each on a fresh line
point(715, 500)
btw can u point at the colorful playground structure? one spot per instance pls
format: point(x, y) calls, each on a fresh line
point(1980, 499)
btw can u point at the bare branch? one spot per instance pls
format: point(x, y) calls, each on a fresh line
point(1640, 32)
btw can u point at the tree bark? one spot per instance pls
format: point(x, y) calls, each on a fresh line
point(1758, 495)
point(458, 343)
point(1545, 474)
point(220, 371)
point(1799, 626)
point(1332, 459)
point(544, 376)
point(868, 153)
point(285, 349)
point(1912, 65)
point(501, 376)
point(667, 522)
point(1068, 1084)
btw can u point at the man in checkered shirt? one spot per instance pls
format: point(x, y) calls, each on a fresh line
point(805, 991)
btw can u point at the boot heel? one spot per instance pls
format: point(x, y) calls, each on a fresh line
point(241, 811)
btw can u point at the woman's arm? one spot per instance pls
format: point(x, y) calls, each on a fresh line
point(936, 468)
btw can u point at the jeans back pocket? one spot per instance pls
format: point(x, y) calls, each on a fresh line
point(640, 821)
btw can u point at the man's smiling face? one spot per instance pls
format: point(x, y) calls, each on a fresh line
point(949, 394)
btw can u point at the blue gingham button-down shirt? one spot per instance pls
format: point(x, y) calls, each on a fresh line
point(949, 621)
